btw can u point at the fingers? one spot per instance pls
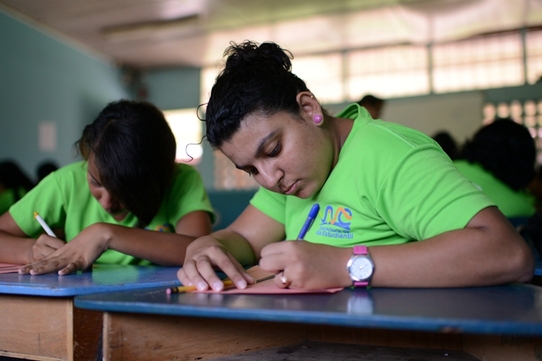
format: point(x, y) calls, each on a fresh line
point(200, 271)
point(48, 266)
point(282, 281)
point(39, 267)
point(44, 246)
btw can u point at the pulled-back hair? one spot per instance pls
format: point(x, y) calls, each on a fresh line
point(134, 151)
point(255, 79)
point(506, 149)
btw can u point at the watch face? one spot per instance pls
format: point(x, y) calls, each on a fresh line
point(361, 268)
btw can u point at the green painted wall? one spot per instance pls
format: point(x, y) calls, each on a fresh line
point(46, 79)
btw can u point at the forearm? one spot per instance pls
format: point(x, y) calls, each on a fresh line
point(236, 245)
point(15, 249)
point(163, 248)
point(459, 258)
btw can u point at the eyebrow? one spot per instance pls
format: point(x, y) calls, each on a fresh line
point(92, 176)
point(259, 149)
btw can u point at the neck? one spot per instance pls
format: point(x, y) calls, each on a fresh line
point(339, 129)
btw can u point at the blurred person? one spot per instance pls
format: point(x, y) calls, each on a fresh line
point(500, 160)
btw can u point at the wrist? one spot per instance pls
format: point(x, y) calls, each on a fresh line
point(360, 266)
point(104, 234)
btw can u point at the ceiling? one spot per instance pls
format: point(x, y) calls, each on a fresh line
point(149, 34)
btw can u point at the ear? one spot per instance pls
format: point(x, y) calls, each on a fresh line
point(311, 109)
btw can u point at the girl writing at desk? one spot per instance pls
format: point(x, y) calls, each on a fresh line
point(386, 192)
point(128, 202)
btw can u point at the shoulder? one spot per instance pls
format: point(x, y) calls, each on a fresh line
point(184, 172)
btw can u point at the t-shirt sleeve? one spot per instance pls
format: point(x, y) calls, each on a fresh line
point(45, 198)
point(425, 195)
point(270, 203)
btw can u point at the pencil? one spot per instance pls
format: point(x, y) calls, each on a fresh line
point(226, 282)
point(44, 225)
point(181, 289)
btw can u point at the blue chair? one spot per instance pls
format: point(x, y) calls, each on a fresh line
point(228, 205)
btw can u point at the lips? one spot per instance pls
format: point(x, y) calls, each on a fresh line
point(291, 189)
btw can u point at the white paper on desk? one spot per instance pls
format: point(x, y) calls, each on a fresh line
point(267, 287)
point(9, 268)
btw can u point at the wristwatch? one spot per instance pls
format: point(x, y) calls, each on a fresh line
point(360, 267)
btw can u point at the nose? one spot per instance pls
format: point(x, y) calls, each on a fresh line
point(269, 175)
point(107, 201)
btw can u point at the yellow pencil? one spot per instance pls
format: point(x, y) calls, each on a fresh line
point(227, 283)
point(181, 289)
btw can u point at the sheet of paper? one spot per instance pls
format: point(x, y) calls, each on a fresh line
point(9, 268)
point(268, 287)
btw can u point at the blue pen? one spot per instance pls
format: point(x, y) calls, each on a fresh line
point(308, 223)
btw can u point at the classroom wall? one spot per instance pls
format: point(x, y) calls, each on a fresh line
point(179, 88)
point(51, 83)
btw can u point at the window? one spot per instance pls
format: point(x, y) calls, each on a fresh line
point(322, 74)
point(533, 41)
point(388, 72)
point(187, 130)
point(483, 62)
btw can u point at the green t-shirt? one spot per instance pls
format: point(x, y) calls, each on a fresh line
point(510, 202)
point(391, 185)
point(63, 200)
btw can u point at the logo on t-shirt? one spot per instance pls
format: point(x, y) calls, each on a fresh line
point(335, 223)
point(166, 227)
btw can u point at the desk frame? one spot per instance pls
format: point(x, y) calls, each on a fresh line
point(32, 327)
point(129, 336)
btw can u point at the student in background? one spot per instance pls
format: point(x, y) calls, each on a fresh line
point(374, 105)
point(44, 169)
point(447, 143)
point(128, 202)
point(500, 160)
point(386, 192)
point(14, 184)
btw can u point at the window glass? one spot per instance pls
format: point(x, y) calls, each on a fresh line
point(388, 72)
point(322, 74)
point(483, 62)
point(187, 129)
point(534, 56)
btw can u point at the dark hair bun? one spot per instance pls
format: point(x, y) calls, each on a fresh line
point(249, 54)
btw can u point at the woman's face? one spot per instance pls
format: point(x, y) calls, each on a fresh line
point(102, 195)
point(283, 154)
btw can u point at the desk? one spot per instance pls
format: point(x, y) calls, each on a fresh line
point(496, 323)
point(39, 322)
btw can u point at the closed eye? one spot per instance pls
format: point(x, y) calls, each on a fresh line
point(252, 171)
point(275, 151)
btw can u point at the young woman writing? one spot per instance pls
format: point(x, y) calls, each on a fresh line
point(128, 202)
point(386, 192)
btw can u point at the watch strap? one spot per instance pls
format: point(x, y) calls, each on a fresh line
point(360, 250)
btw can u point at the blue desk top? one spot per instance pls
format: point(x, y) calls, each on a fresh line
point(102, 278)
point(513, 309)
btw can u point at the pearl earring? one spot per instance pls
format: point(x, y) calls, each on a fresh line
point(317, 118)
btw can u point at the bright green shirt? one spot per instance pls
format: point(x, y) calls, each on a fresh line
point(510, 202)
point(391, 185)
point(63, 200)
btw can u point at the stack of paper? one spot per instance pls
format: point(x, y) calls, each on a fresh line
point(9, 267)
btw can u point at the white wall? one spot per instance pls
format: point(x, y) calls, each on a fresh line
point(460, 113)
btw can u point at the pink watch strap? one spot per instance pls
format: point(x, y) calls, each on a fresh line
point(360, 250)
